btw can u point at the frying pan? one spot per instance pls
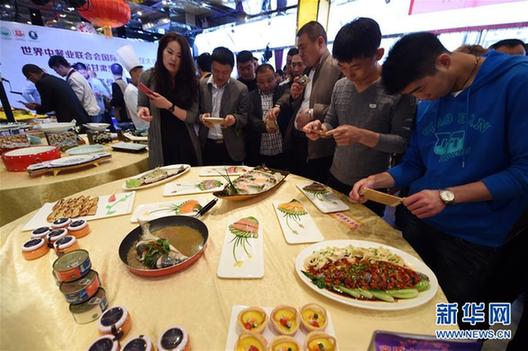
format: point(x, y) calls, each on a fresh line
point(192, 222)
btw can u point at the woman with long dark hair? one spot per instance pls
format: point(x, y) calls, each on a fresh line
point(171, 107)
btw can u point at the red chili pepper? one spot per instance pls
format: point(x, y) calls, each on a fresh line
point(285, 322)
point(112, 198)
point(248, 326)
point(315, 324)
point(253, 348)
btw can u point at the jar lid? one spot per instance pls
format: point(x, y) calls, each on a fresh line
point(64, 242)
point(78, 224)
point(33, 244)
point(139, 343)
point(57, 234)
point(61, 223)
point(104, 343)
point(113, 317)
point(173, 339)
point(41, 232)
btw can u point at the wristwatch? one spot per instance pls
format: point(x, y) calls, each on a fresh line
point(447, 197)
point(171, 109)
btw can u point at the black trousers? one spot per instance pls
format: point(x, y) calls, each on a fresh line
point(215, 153)
point(375, 207)
point(469, 272)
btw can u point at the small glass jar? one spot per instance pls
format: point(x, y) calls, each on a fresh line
point(55, 235)
point(34, 248)
point(174, 339)
point(104, 343)
point(66, 244)
point(79, 228)
point(116, 321)
point(139, 343)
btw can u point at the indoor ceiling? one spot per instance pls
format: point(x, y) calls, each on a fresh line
point(148, 16)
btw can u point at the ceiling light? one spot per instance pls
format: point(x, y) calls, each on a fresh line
point(139, 13)
point(71, 9)
point(73, 28)
point(7, 6)
point(28, 22)
point(62, 15)
point(164, 2)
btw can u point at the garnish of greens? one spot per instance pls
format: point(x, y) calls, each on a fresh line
point(110, 207)
point(155, 249)
point(230, 188)
point(243, 230)
point(133, 183)
point(293, 210)
point(358, 293)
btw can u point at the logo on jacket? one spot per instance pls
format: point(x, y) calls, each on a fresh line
point(449, 143)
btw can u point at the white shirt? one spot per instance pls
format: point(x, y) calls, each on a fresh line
point(131, 102)
point(84, 92)
point(307, 93)
point(215, 132)
point(30, 93)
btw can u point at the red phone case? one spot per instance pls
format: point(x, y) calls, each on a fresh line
point(144, 89)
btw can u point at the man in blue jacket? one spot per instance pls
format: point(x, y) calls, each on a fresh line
point(467, 163)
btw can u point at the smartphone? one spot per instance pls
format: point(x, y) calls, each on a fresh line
point(303, 80)
point(145, 90)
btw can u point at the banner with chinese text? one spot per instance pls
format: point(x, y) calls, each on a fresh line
point(21, 44)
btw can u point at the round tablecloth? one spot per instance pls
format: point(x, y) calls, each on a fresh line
point(34, 314)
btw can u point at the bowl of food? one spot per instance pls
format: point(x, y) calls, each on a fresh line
point(164, 245)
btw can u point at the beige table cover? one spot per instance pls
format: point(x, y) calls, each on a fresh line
point(35, 316)
point(21, 193)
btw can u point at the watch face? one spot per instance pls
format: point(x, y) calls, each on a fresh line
point(447, 196)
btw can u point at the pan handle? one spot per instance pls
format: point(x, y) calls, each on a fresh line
point(206, 208)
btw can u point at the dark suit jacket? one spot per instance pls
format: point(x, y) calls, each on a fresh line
point(235, 102)
point(256, 125)
point(57, 95)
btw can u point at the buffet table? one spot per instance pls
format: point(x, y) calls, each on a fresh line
point(21, 193)
point(34, 314)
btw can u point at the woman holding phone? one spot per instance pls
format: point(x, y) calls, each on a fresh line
point(168, 99)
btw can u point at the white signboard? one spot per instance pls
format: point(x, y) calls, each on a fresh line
point(21, 44)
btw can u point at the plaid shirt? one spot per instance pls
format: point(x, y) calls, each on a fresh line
point(270, 143)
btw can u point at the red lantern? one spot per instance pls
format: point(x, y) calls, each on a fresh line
point(106, 13)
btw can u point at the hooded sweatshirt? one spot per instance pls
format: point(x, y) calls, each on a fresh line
point(480, 134)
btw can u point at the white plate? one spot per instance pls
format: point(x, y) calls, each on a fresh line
point(401, 304)
point(72, 160)
point(56, 126)
point(122, 205)
point(218, 171)
point(249, 263)
point(97, 126)
point(297, 229)
point(268, 334)
point(168, 179)
point(85, 149)
point(135, 138)
point(129, 146)
point(174, 189)
point(326, 203)
point(161, 209)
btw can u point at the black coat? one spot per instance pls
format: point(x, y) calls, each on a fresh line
point(57, 95)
